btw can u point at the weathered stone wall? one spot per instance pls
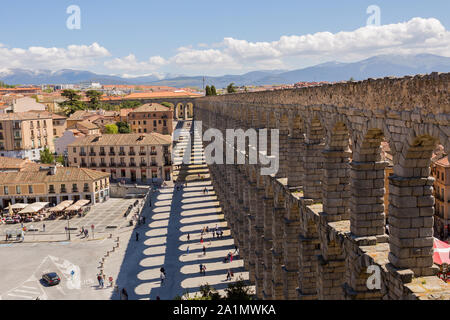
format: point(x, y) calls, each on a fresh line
point(312, 230)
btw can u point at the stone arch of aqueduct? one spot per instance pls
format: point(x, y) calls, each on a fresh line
point(311, 231)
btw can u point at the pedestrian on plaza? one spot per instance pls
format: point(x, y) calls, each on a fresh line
point(228, 276)
point(207, 229)
point(143, 218)
point(104, 279)
point(162, 278)
point(187, 250)
point(124, 294)
point(235, 248)
point(201, 268)
point(137, 236)
point(86, 233)
point(214, 233)
point(43, 227)
point(201, 240)
point(188, 237)
point(204, 250)
point(231, 273)
point(111, 281)
point(99, 279)
point(231, 257)
point(163, 270)
point(204, 270)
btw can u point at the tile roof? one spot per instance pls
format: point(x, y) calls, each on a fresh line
point(24, 116)
point(443, 162)
point(85, 124)
point(150, 107)
point(63, 174)
point(130, 139)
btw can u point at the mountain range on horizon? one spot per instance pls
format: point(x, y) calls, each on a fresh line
point(374, 67)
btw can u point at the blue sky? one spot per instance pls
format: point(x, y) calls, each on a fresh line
point(187, 37)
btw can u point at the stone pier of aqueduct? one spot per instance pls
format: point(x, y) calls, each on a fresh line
point(312, 230)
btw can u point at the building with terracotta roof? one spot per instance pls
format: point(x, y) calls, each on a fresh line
point(151, 117)
point(18, 165)
point(86, 127)
point(129, 157)
point(23, 135)
point(440, 170)
point(54, 185)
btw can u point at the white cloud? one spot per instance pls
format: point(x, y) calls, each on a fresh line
point(417, 35)
point(74, 56)
point(131, 64)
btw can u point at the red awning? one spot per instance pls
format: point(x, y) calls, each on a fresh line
point(441, 252)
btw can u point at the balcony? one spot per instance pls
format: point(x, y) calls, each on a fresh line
point(103, 165)
point(18, 137)
point(121, 153)
point(63, 190)
point(122, 164)
point(51, 191)
point(86, 190)
point(143, 164)
point(112, 153)
point(153, 153)
point(112, 165)
point(92, 154)
point(168, 162)
point(153, 164)
point(93, 165)
point(142, 153)
point(74, 190)
point(131, 153)
point(83, 165)
point(82, 154)
point(102, 154)
point(133, 164)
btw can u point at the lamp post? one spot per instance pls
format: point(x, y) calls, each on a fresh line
point(68, 226)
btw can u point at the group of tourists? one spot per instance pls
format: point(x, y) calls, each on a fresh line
point(101, 278)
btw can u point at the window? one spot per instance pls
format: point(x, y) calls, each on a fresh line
point(145, 122)
point(145, 130)
point(5, 190)
point(18, 191)
point(74, 160)
point(30, 189)
point(165, 123)
point(159, 121)
point(86, 187)
point(123, 173)
point(54, 132)
point(74, 149)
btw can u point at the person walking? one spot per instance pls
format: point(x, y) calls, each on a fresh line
point(137, 236)
point(99, 279)
point(43, 227)
point(188, 237)
point(111, 281)
point(187, 250)
point(231, 257)
point(163, 270)
point(124, 294)
point(207, 229)
point(143, 219)
point(235, 248)
point(201, 240)
point(201, 268)
point(204, 270)
point(162, 278)
point(204, 250)
point(228, 276)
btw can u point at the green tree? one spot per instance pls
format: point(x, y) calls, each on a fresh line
point(123, 127)
point(167, 104)
point(47, 156)
point(72, 103)
point(94, 98)
point(130, 104)
point(231, 88)
point(111, 129)
point(208, 90)
point(213, 91)
point(60, 159)
point(352, 79)
point(238, 291)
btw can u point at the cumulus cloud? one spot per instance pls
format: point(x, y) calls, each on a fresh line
point(417, 35)
point(130, 64)
point(74, 56)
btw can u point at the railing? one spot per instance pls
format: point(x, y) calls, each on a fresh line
point(102, 164)
point(153, 153)
point(51, 191)
point(86, 190)
point(83, 165)
point(131, 153)
point(132, 164)
point(63, 190)
point(112, 153)
point(102, 154)
point(112, 165)
point(75, 190)
point(143, 164)
point(153, 164)
point(142, 153)
point(93, 165)
point(93, 154)
point(82, 154)
point(122, 153)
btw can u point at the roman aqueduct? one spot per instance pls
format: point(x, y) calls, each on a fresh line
point(312, 230)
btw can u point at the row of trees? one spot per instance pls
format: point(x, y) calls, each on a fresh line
point(4, 85)
point(235, 291)
point(211, 91)
point(74, 103)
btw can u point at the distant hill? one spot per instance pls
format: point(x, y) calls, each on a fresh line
point(374, 67)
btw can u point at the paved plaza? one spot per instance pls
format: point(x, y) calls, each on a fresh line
point(134, 265)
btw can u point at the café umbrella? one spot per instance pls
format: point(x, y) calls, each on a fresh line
point(441, 252)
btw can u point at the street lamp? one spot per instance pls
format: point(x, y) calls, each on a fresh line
point(68, 226)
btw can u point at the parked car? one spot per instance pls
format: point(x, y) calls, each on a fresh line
point(28, 219)
point(51, 278)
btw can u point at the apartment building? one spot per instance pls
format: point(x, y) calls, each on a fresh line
point(440, 170)
point(54, 185)
point(151, 117)
point(24, 135)
point(142, 158)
